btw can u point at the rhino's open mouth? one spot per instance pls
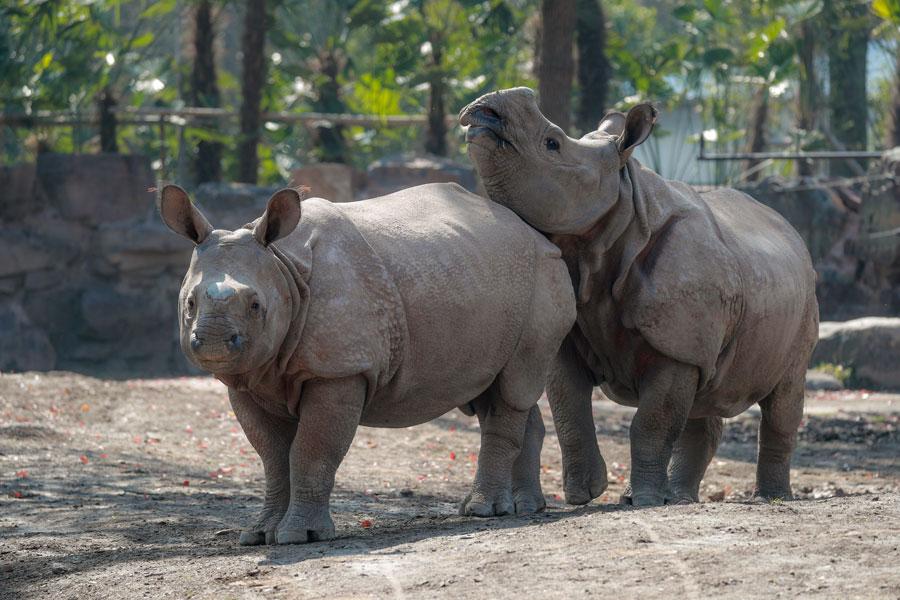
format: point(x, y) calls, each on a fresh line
point(484, 121)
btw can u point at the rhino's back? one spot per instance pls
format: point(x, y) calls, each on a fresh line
point(464, 268)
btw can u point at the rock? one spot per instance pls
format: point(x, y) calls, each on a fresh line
point(819, 380)
point(870, 346)
point(126, 319)
point(18, 185)
point(23, 252)
point(890, 161)
point(10, 285)
point(398, 172)
point(39, 280)
point(96, 188)
point(332, 181)
point(23, 346)
point(232, 205)
point(141, 245)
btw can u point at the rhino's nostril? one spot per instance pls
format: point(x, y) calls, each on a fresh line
point(235, 342)
point(489, 113)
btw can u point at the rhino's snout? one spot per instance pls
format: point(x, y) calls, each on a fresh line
point(215, 343)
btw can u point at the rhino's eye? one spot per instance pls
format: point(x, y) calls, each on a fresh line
point(254, 306)
point(190, 304)
point(552, 145)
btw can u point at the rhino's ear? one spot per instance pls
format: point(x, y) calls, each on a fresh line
point(612, 123)
point(638, 124)
point(180, 214)
point(281, 216)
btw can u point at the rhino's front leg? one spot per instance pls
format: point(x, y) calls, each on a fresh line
point(665, 396)
point(329, 413)
point(569, 388)
point(271, 437)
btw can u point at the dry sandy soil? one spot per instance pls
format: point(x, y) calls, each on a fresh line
point(137, 488)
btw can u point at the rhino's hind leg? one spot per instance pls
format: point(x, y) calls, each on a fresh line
point(694, 449)
point(526, 475)
point(782, 412)
point(502, 436)
point(271, 438)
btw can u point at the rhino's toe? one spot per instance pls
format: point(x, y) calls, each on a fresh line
point(583, 484)
point(252, 538)
point(303, 536)
point(527, 505)
point(677, 499)
point(292, 536)
point(477, 506)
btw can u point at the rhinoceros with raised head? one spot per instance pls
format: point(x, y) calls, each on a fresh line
point(691, 306)
point(386, 312)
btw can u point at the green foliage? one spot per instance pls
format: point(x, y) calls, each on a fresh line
point(384, 58)
point(839, 372)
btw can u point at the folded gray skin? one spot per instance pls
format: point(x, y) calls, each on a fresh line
point(691, 307)
point(386, 312)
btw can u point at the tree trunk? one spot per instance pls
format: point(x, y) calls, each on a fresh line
point(436, 136)
point(555, 64)
point(893, 135)
point(850, 26)
point(757, 140)
point(253, 79)
point(205, 92)
point(329, 139)
point(108, 141)
point(809, 97)
point(593, 67)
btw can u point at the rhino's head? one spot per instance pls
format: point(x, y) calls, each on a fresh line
point(235, 303)
point(556, 183)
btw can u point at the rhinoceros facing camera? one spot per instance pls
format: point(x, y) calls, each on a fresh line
point(387, 312)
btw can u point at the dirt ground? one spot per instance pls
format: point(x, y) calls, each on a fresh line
point(137, 488)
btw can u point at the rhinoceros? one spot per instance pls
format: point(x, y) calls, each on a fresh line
point(691, 306)
point(387, 312)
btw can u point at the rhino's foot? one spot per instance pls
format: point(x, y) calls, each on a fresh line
point(583, 483)
point(263, 531)
point(478, 504)
point(772, 495)
point(255, 537)
point(529, 501)
point(306, 526)
point(682, 496)
point(643, 499)
point(678, 499)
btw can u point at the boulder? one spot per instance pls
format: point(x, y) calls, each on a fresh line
point(96, 188)
point(399, 172)
point(23, 346)
point(332, 181)
point(819, 380)
point(126, 318)
point(870, 346)
point(231, 205)
point(17, 183)
point(141, 245)
point(24, 252)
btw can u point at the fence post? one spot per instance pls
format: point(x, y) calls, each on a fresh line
point(106, 103)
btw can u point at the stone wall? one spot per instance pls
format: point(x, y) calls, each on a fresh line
point(858, 274)
point(89, 276)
